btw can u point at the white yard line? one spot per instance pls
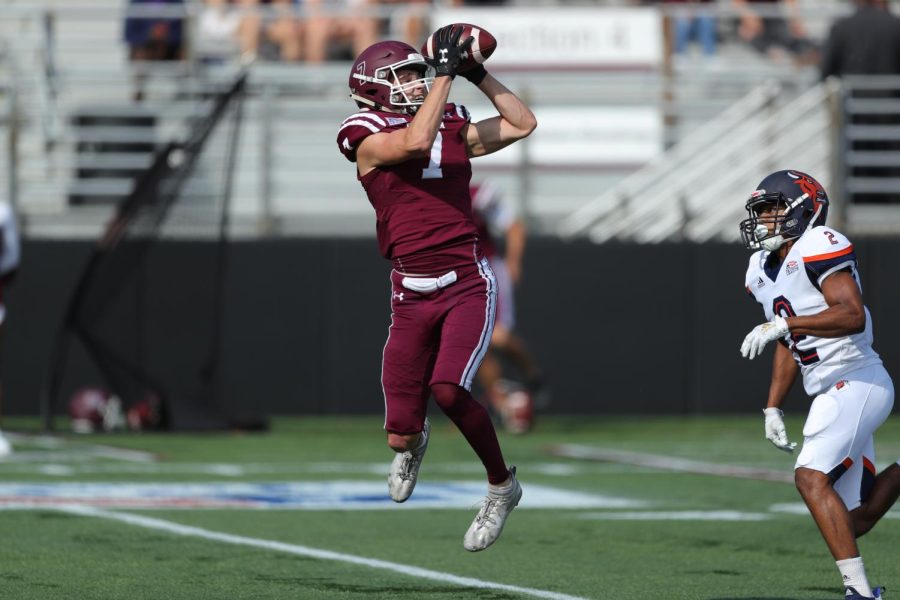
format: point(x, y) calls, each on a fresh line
point(669, 463)
point(239, 540)
point(676, 515)
point(73, 450)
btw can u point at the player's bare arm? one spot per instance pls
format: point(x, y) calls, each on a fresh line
point(784, 371)
point(515, 121)
point(515, 249)
point(844, 316)
point(415, 141)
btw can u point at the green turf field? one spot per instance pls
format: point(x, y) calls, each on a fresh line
point(653, 532)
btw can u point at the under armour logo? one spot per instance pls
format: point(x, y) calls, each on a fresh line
point(443, 52)
point(398, 296)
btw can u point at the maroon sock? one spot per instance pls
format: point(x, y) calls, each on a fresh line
point(475, 424)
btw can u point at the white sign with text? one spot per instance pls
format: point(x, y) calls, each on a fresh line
point(567, 38)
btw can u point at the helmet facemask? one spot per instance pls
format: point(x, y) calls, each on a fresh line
point(772, 220)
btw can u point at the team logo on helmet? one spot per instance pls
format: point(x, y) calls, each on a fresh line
point(810, 187)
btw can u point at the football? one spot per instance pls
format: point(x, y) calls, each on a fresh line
point(481, 49)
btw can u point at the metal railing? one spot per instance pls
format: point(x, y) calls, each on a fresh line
point(630, 196)
point(846, 132)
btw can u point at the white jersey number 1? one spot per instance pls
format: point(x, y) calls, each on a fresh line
point(433, 170)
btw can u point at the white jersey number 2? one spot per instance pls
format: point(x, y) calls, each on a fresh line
point(433, 170)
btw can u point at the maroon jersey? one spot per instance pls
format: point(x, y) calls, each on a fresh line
point(422, 206)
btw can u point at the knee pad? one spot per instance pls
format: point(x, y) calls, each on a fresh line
point(451, 398)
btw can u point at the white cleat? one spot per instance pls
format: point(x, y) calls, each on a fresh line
point(405, 469)
point(489, 521)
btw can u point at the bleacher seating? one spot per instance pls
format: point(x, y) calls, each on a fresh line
point(290, 178)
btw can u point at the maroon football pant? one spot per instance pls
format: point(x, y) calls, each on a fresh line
point(436, 337)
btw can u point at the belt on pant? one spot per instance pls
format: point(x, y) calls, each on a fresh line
point(426, 285)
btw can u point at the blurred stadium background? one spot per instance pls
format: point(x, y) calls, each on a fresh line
point(631, 189)
point(191, 233)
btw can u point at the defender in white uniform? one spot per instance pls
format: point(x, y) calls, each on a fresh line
point(804, 275)
point(9, 265)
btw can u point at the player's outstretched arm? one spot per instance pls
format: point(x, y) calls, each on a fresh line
point(845, 315)
point(415, 141)
point(516, 121)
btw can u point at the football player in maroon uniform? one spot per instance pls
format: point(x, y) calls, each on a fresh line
point(511, 401)
point(412, 150)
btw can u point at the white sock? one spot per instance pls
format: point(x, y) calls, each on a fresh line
point(501, 490)
point(854, 574)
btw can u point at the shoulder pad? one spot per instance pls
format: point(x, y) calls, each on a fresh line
point(357, 127)
point(825, 251)
point(821, 240)
point(753, 276)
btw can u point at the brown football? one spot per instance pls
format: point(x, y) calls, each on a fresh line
point(482, 47)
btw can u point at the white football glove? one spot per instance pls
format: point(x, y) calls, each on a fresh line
point(775, 431)
point(761, 335)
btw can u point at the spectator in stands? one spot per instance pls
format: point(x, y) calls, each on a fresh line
point(690, 24)
point(9, 265)
point(217, 31)
point(867, 43)
point(274, 32)
point(343, 34)
point(771, 34)
point(496, 222)
point(152, 37)
point(409, 20)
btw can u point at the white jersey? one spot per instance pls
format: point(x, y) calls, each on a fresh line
point(9, 240)
point(9, 249)
point(794, 288)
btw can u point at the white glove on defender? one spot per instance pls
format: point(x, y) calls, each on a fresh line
point(775, 431)
point(761, 335)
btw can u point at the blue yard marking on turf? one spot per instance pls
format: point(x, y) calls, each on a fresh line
point(333, 495)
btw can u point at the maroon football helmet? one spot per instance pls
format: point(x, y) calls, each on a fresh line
point(374, 81)
point(92, 409)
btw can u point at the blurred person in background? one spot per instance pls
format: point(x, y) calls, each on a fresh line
point(773, 34)
point(412, 150)
point(691, 23)
point(412, 24)
point(499, 226)
point(270, 29)
point(865, 43)
point(868, 43)
point(217, 31)
point(805, 276)
point(9, 265)
point(152, 38)
point(339, 29)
